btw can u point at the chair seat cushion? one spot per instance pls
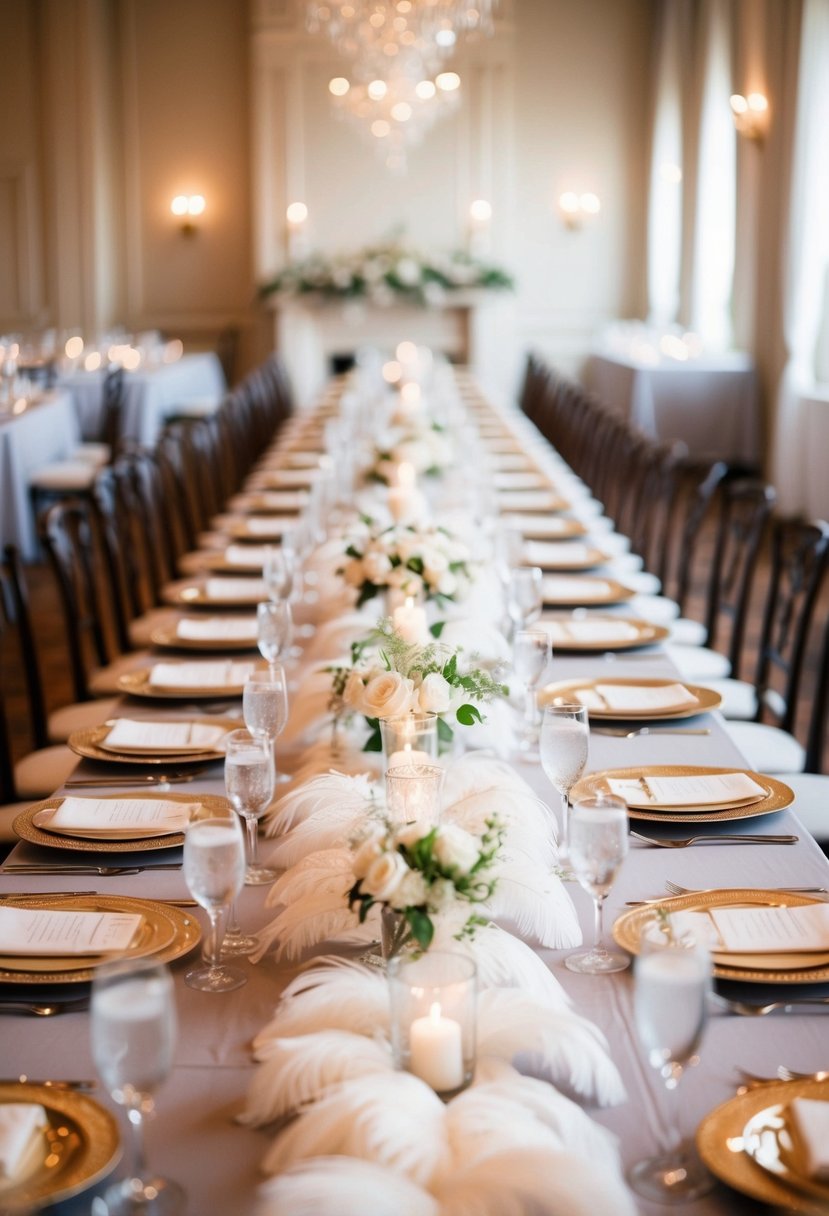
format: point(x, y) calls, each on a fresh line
point(640, 581)
point(63, 475)
point(687, 632)
point(699, 664)
point(40, 773)
point(65, 721)
point(104, 680)
point(811, 802)
point(767, 748)
point(8, 814)
point(655, 608)
point(739, 698)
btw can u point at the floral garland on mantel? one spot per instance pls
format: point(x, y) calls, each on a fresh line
point(385, 274)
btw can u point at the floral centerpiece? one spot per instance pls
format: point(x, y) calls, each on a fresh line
point(414, 873)
point(421, 443)
point(385, 273)
point(390, 677)
point(416, 561)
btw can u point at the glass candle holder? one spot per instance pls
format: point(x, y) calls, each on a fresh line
point(410, 739)
point(413, 793)
point(433, 1006)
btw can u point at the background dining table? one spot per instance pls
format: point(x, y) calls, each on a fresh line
point(194, 1137)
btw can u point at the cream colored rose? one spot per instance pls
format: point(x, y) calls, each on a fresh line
point(447, 584)
point(455, 849)
point(353, 691)
point(385, 875)
point(409, 834)
point(435, 694)
point(387, 696)
point(376, 567)
point(367, 853)
point(411, 892)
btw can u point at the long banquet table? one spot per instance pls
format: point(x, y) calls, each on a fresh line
point(194, 1138)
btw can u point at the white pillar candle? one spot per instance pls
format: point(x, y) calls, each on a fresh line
point(436, 1051)
point(410, 622)
point(409, 755)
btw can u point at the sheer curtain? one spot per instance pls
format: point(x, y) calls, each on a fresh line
point(806, 299)
point(714, 220)
point(665, 197)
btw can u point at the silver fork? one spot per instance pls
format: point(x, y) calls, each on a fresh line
point(104, 871)
point(650, 730)
point(747, 1009)
point(663, 843)
point(675, 889)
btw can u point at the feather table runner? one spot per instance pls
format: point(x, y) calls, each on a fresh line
point(352, 1133)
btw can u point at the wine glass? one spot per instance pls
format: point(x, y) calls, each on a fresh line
point(278, 571)
point(598, 844)
point(672, 981)
point(133, 1032)
point(530, 655)
point(265, 707)
point(524, 596)
point(274, 626)
point(214, 870)
point(563, 750)
point(249, 776)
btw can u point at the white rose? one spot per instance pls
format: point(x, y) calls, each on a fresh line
point(455, 849)
point(435, 694)
point(447, 584)
point(376, 566)
point(409, 834)
point(411, 892)
point(384, 876)
point(387, 696)
point(353, 691)
point(441, 895)
point(367, 853)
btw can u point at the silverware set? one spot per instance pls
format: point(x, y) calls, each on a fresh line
point(750, 1009)
point(642, 731)
point(662, 842)
point(103, 871)
point(175, 778)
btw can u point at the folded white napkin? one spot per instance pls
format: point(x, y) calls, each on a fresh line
point(532, 525)
point(130, 735)
point(528, 500)
point(704, 789)
point(267, 525)
point(20, 1123)
point(624, 697)
point(219, 674)
point(118, 816)
point(572, 588)
point(246, 555)
point(590, 631)
point(552, 553)
point(46, 931)
point(279, 500)
point(217, 628)
point(810, 1123)
point(521, 481)
point(249, 590)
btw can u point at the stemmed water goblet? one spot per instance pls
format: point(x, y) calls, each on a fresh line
point(597, 846)
point(274, 627)
point(530, 656)
point(563, 750)
point(249, 781)
point(265, 708)
point(278, 572)
point(214, 870)
point(133, 1032)
point(672, 977)
point(524, 598)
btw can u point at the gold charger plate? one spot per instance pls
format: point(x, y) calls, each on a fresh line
point(186, 933)
point(588, 561)
point(540, 527)
point(771, 1140)
point(167, 638)
point(627, 929)
point(721, 1139)
point(614, 593)
point(87, 743)
point(25, 827)
point(531, 502)
point(646, 633)
point(217, 563)
point(778, 798)
point(79, 1147)
point(137, 684)
point(151, 938)
point(194, 595)
point(565, 690)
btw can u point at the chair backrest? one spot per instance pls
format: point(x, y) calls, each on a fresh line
point(112, 410)
point(745, 506)
point(69, 534)
point(799, 564)
point(816, 741)
point(700, 489)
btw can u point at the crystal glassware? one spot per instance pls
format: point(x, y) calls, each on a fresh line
point(409, 739)
point(597, 846)
point(249, 784)
point(524, 599)
point(672, 982)
point(413, 793)
point(265, 708)
point(530, 656)
point(278, 572)
point(433, 999)
point(133, 1033)
point(274, 629)
point(563, 750)
point(214, 870)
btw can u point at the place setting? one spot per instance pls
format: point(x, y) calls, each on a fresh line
point(541, 527)
point(214, 633)
point(237, 558)
point(199, 678)
point(575, 591)
point(563, 556)
point(589, 632)
point(175, 745)
point(622, 699)
point(535, 500)
point(216, 592)
point(690, 793)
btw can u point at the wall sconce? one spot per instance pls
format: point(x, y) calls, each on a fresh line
point(296, 216)
point(187, 207)
point(574, 208)
point(750, 114)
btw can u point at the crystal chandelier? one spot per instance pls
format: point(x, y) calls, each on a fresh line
point(396, 51)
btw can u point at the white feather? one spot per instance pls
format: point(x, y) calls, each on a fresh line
point(347, 756)
point(340, 1186)
point(297, 1071)
point(331, 789)
point(313, 908)
point(330, 997)
point(563, 1047)
point(393, 1119)
point(504, 961)
point(532, 1182)
point(535, 901)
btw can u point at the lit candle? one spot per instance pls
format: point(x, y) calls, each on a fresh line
point(409, 755)
point(410, 622)
point(436, 1051)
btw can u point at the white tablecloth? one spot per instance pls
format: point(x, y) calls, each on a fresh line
point(48, 430)
point(709, 403)
point(151, 395)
